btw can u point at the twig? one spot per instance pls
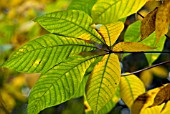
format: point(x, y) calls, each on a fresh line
point(147, 68)
point(140, 14)
point(139, 52)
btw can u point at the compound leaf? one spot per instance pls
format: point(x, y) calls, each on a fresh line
point(103, 81)
point(43, 53)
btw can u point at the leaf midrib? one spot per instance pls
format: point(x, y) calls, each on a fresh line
point(55, 18)
point(51, 47)
point(102, 79)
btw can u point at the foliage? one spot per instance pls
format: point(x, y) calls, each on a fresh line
point(80, 56)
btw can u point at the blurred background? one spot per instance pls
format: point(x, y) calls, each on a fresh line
point(17, 28)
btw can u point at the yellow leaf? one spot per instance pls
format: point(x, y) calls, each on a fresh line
point(7, 101)
point(162, 19)
point(131, 47)
point(166, 109)
point(148, 24)
point(111, 32)
point(152, 102)
point(103, 81)
point(147, 78)
point(107, 11)
point(130, 88)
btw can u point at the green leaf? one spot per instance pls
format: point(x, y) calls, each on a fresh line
point(83, 5)
point(103, 81)
point(101, 11)
point(72, 23)
point(43, 53)
point(81, 89)
point(132, 33)
point(59, 84)
point(150, 41)
point(107, 11)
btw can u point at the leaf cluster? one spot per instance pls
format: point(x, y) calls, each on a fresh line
point(79, 56)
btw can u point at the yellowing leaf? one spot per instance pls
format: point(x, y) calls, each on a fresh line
point(147, 78)
point(130, 88)
point(152, 102)
point(111, 32)
point(166, 109)
point(131, 47)
point(163, 95)
point(102, 83)
point(162, 19)
point(148, 24)
point(107, 11)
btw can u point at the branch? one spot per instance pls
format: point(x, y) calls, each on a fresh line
point(139, 52)
point(147, 68)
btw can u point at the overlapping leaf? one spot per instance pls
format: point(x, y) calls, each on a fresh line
point(154, 101)
point(84, 5)
point(103, 82)
point(148, 24)
point(131, 47)
point(162, 19)
point(151, 41)
point(111, 32)
point(58, 84)
point(130, 88)
point(107, 11)
point(132, 33)
point(43, 53)
point(72, 23)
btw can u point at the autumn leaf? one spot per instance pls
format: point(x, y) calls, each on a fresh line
point(131, 47)
point(162, 19)
point(153, 101)
point(108, 11)
point(130, 88)
point(111, 32)
point(148, 24)
point(102, 83)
